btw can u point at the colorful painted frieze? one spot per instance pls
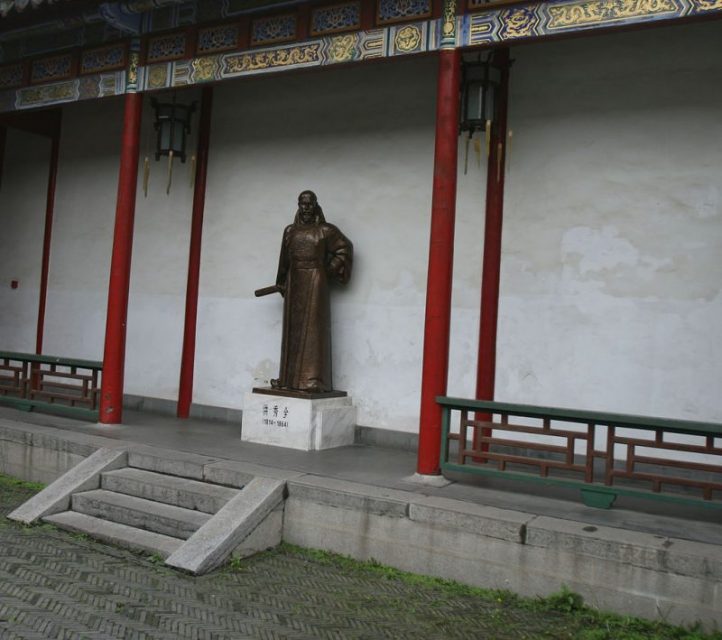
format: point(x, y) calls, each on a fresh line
point(273, 29)
point(389, 11)
point(172, 60)
point(492, 25)
point(409, 38)
point(342, 48)
point(182, 71)
point(591, 13)
point(219, 38)
point(88, 88)
point(205, 69)
point(168, 47)
point(703, 6)
point(51, 69)
point(103, 59)
point(48, 94)
point(345, 16)
point(158, 75)
point(111, 84)
point(308, 54)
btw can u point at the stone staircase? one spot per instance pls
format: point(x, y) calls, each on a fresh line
point(192, 524)
point(142, 509)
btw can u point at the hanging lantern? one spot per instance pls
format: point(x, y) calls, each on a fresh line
point(480, 82)
point(173, 124)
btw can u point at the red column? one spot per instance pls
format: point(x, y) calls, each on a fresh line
point(49, 209)
point(441, 259)
point(185, 392)
point(486, 363)
point(111, 398)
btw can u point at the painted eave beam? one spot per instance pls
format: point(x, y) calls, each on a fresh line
point(496, 25)
point(506, 23)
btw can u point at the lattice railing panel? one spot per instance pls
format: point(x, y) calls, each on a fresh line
point(613, 452)
point(37, 381)
point(13, 377)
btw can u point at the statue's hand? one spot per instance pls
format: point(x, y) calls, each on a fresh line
point(335, 266)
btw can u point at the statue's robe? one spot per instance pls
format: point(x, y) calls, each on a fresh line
point(311, 255)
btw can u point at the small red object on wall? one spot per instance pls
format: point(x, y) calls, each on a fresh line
point(13, 284)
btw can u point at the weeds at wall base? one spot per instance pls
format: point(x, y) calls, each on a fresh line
point(592, 624)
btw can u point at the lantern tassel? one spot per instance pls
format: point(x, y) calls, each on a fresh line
point(170, 171)
point(508, 152)
point(488, 137)
point(466, 153)
point(146, 175)
point(193, 171)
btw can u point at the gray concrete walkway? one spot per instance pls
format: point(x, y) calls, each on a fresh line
point(392, 468)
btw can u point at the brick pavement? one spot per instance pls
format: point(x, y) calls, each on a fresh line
point(57, 585)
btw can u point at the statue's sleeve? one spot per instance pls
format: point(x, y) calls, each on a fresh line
point(283, 262)
point(340, 255)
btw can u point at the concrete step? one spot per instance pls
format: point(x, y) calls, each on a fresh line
point(159, 487)
point(238, 522)
point(115, 533)
point(139, 512)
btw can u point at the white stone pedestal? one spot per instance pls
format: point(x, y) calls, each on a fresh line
point(298, 423)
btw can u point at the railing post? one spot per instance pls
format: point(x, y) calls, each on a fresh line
point(441, 247)
point(111, 398)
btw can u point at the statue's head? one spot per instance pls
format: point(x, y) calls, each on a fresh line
point(309, 211)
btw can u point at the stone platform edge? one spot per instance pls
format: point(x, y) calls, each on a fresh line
point(372, 436)
point(621, 570)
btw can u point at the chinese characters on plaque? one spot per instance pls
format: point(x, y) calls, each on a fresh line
point(275, 415)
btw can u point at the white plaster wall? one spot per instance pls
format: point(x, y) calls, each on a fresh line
point(22, 220)
point(160, 268)
point(83, 229)
point(362, 139)
point(82, 248)
point(610, 292)
point(612, 278)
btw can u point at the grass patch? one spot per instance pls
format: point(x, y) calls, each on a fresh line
point(373, 567)
point(587, 622)
point(13, 484)
point(13, 493)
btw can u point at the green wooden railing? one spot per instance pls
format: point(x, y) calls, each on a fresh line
point(605, 455)
point(65, 386)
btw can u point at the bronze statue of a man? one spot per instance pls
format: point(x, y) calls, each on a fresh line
point(313, 252)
